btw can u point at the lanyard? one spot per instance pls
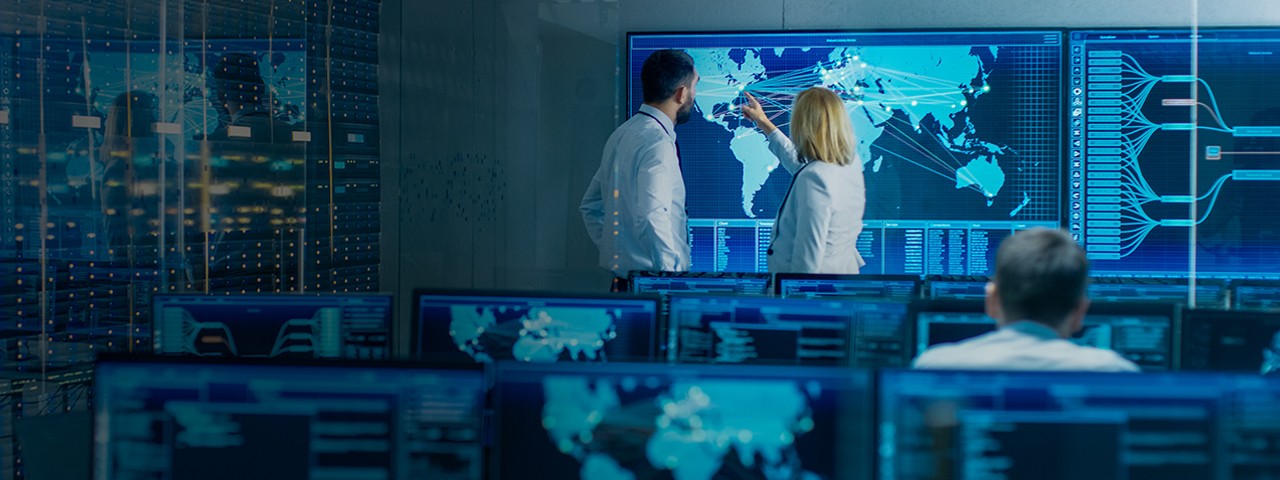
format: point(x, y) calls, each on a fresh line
point(664, 127)
point(778, 222)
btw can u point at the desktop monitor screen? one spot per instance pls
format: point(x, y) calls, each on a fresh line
point(486, 326)
point(1098, 426)
point(709, 329)
point(273, 325)
point(957, 287)
point(1255, 295)
point(681, 421)
point(1142, 332)
point(1221, 340)
point(890, 287)
point(169, 417)
point(959, 138)
point(1209, 292)
point(700, 282)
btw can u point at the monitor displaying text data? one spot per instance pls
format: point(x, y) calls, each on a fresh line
point(1210, 293)
point(1140, 114)
point(831, 332)
point(901, 288)
point(728, 283)
point(273, 326)
point(1231, 341)
point(1143, 332)
point(487, 326)
point(1255, 295)
point(958, 133)
point(957, 287)
point(169, 417)
point(632, 421)
point(1060, 426)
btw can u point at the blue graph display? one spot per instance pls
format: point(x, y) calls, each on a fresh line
point(329, 326)
point(1135, 103)
point(176, 419)
point(958, 134)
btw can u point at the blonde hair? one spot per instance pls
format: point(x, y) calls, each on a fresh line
point(820, 127)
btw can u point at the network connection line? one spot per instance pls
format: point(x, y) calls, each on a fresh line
point(897, 90)
point(1119, 133)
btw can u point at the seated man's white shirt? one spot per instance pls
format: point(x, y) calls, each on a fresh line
point(1025, 345)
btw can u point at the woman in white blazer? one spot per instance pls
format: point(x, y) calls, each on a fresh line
point(821, 217)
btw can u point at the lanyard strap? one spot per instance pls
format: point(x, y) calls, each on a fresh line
point(778, 222)
point(660, 124)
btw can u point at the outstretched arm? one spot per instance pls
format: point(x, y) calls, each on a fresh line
point(779, 144)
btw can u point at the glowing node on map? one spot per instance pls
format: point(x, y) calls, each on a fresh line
point(986, 88)
point(914, 103)
point(710, 117)
point(964, 103)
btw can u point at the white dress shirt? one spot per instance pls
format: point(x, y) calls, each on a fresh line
point(820, 218)
point(1025, 345)
point(634, 209)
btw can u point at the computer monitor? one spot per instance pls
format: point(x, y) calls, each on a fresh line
point(1234, 341)
point(700, 282)
point(273, 325)
point(485, 326)
point(171, 417)
point(902, 288)
point(1142, 332)
point(682, 421)
point(956, 287)
point(1056, 425)
point(959, 136)
point(764, 330)
point(1209, 292)
point(1261, 295)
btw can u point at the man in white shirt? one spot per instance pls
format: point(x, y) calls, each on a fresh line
point(634, 208)
point(1038, 298)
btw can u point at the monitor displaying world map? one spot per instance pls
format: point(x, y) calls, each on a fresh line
point(958, 134)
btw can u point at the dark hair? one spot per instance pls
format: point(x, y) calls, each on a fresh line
point(238, 78)
point(131, 115)
point(1041, 275)
point(664, 72)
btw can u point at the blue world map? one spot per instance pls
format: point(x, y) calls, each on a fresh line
point(912, 109)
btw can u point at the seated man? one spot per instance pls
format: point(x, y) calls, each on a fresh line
point(1038, 297)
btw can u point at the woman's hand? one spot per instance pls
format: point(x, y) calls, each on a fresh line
point(754, 112)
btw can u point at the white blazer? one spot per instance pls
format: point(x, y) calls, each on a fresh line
point(821, 216)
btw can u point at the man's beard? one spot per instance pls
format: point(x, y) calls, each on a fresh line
point(683, 114)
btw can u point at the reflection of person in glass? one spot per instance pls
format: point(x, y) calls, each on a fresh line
point(255, 179)
point(1271, 356)
point(130, 161)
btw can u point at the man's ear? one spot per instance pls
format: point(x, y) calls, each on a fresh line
point(992, 303)
point(685, 93)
